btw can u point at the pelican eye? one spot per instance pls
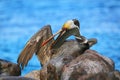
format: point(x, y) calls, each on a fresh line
point(76, 22)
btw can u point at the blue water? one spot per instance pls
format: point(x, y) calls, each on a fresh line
point(20, 19)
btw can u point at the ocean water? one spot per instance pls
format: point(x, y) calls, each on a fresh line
point(20, 19)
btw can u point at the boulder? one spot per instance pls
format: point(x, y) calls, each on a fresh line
point(114, 75)
point(90, 62)
point(34, 74)
point(15, 78)
point(87, 66)
point(9, 69)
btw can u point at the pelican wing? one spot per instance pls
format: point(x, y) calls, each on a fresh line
point(32, 46)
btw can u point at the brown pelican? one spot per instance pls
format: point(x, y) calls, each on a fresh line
point(43, 44)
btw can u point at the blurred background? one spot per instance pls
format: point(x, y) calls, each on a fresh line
point(20, 19)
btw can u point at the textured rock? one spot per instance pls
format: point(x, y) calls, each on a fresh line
point(89, 65)
point(14, 78)
point(90, 62)
point(34, 74)
point(9, 69)
point(115, 75)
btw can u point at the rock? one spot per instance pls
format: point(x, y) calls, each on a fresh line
point(15, 78)
point(34, 74)
point(115, 75)
point(52, 73)
point(9, 69)
point(90, 62)
point(87, 66)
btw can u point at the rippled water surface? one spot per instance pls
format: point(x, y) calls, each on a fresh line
point(20, 19)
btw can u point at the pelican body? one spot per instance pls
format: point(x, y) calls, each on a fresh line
point(46, 48)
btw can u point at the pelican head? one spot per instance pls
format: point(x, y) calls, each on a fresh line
point(71, 27)
point(71, 24)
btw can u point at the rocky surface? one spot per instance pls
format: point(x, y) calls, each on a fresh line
point(34, 74)
point(114, 75)
point(9, 69)
point(90, 62)
point(14, 78)
point(88, 66)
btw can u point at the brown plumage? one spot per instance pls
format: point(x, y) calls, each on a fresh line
point(43, 44)
point(34, 46)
